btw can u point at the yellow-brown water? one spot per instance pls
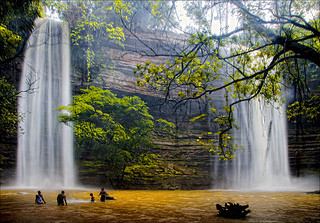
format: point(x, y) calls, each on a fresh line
point(158, 206)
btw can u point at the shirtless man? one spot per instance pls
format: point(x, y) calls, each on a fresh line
point(104, 195)
point(61, 199)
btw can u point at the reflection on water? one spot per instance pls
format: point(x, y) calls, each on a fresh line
point(158, 206)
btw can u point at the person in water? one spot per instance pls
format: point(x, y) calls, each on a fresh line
point(104, 195)
point(92, 198)
point(61, 199)
point(39, 198)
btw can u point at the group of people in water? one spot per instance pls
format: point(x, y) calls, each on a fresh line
point(103, 196)
point(62, 199)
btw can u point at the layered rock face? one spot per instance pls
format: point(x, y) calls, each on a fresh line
point(187, 164)
point(191, 162)
point(304, 154)
point(304, 143)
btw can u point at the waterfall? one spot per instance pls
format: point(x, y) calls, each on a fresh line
point(263, 164)
point(45, 146)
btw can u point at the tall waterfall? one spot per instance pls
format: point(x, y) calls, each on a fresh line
point(45, 146)
point(263, 164)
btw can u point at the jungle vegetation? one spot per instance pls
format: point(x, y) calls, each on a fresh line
point(273, 48)
point(275, 45)
point(16, 24)
point(116, 132)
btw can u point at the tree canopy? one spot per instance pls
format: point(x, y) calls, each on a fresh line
point(116, 131)
point(91, 24)
point(16, 24)
point(275, 44)
point(95, 25)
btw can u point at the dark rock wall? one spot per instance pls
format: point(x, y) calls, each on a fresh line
point(304, 155)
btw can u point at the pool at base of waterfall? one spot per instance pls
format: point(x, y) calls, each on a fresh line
point(158, 206)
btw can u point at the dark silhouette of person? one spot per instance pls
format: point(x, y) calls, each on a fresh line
point(92, 198)
point(103, 195)
point(39, 198)
point(61, 198)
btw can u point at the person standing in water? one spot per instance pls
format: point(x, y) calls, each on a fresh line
point(92, 198)
point(61, 199)
point(104, 195)
point(39, 198)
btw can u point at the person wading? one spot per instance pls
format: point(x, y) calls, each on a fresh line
point(39, 198)
point(61, 199)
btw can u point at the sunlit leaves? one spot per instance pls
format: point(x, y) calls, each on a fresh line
point(112, 130)
point(92, 23)
point(309, 109)
point(224, 149)
point(122, 8)
point(194, 74)
point(165, 127)
point(16, 23)
point(148, 164)
point(9, 42)
point(188, 71)
point(101, 116)
point(202, 116)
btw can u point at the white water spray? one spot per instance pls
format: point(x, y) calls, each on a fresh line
point(264, 162)
point(45, 146)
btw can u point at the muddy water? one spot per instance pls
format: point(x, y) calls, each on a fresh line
point(158, 206)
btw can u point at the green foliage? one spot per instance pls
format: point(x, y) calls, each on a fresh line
point(92, 25)
point(249, 62)
point(9, 117)
point(100, 115)
point(151, 166)
point(145, 166)
point(122, 8)
point(14, 9)
point(115, 131)
point(304, 111)
point(309, 109)
point(9, 41)
point(165, 127)
point(16, 23)
point(189, 70)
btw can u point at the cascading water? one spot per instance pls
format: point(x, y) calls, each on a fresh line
point(263, 164)
point(45, 146)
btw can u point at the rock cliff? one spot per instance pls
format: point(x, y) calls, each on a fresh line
point(187, 163)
